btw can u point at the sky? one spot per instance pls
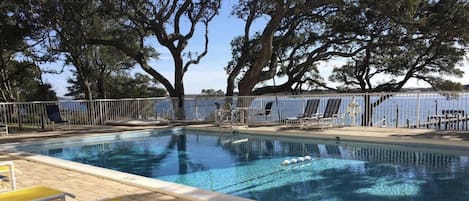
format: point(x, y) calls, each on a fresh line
point(209, 73)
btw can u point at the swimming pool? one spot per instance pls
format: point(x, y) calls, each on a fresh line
point(251, 166)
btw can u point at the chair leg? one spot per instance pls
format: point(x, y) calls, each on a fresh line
point(13, 178)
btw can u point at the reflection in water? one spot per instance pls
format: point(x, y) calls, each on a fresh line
point(250, 166)
point(262, 147)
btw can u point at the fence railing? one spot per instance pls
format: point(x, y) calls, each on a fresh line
point(438, 110)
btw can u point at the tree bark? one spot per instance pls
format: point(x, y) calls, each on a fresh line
point(249, 80)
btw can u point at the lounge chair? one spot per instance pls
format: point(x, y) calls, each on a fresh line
point(330, 116)
point(309, 112)
point(53, 113)
point(266, 112)
point(35, 193)
point(7, 176)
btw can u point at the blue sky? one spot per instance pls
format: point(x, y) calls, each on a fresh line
point(210, 74)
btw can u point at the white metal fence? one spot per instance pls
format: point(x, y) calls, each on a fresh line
point(439, 110)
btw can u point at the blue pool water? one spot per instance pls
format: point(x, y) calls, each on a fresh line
point(340, 171)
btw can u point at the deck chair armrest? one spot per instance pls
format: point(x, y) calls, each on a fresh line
point(306, 119)
point(56, 197)
point(301, 115)
point(317, 115)
point(263, 111)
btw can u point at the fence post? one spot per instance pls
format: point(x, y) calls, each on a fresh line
point(138, 109)
point(4, 113)
point(43, 116)
point(466, 121)
point(418, 111)
point(101, 119)
point(196, 109)
point(397, 115)
point(18, 117)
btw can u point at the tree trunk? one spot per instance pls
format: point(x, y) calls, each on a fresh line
point(178, 103)
point(251, 77)
point(101, 87)
point(89, 98)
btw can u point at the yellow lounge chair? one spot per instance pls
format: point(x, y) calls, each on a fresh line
point(36, 193)
point(8, 168)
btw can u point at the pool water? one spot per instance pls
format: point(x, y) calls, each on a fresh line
point(251, 166)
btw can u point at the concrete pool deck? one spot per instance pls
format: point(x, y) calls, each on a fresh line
point(87, 186)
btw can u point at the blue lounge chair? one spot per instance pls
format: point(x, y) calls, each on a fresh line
point(310, 111)
point(267, 111)
point(330, 117)
point(53, 113)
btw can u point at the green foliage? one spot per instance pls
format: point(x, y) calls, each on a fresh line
point(296, 37)
point(165, 24)
point(99, 62)
point(22, 82)
point(447, 85)
point(139, 86)
point(403, 40)
point(121, 85)
point(212, 92)
point(40, 92)
point(385, 44)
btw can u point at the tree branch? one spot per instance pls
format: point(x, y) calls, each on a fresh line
point(140, 58)
point(199, 57)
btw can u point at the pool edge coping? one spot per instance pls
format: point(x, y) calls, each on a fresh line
point(169, 188)
point(192, 193)
point(323, 135)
